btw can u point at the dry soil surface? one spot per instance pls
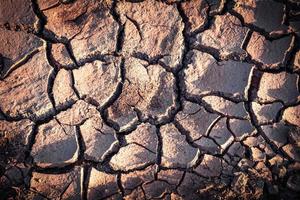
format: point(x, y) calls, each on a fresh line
point(149, 99)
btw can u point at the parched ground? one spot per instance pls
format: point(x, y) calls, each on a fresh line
point(149, 99)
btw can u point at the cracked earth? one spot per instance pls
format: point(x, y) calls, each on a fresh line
point(149, 99)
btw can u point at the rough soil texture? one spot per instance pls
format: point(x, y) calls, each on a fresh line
point(149, 99)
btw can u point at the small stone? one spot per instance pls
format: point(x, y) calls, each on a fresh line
point(263, 171)
point(293, 182)
point(264, 14)
point(293, 151)
point(257, 154)
point(240, 182)
point(24, 91)
point(276, 161)
point(106, 76)
point(147, 18)
point(202, 76)
point(281, 86)
point(176, 151)
point(61, 55)
point(254, 141)
point(269, 53)
point(245, 164)
point(194, 119)
point(56, 186)
point(277, 133)
point(292, 115)
point(210, 166)
point(196, 12)
point(132, 157)
point(226, 107)
point(63, 92)
point(101, 185)
point(266, 113)
point(226, 35)
point(221, 134)
point(215, 7)
point(55, 145)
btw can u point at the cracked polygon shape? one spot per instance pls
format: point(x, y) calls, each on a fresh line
point(226, 35)
point(19, 14)
point(99, 139)
point(208, 145)
point(269, 53)
point(131, 157)
point(101, 185)
point(133, 179)
point(171, 176)
point(176, 151)
point(156, 189)
point(57, 186)
point(55, 145)
point(88, 25)
point(226, 107)
point(264, 14)
point(15, 48)
point(204, 75)
point(149, 89)
point(254, 141)
point(221, 134)
point(196, 12)
point(61, 56)
point(63, 92)
point(145, 135)
point(77, 114)
point(210, 166)
point(17, 135)
point(281, 87)
point(266, 113)
point(98, 81)
point(194, 119)
point(292, 115)
point(241, 128)
point(143, 20)
point(277, 133)
point(24, 92)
